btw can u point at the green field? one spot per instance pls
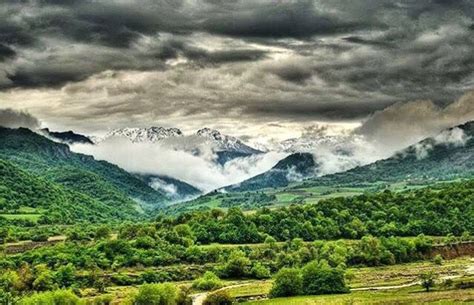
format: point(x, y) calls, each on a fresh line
point(401, 296)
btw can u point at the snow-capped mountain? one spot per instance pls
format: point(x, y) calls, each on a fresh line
point(204, 142)
point(145, 135)
point(224, 142)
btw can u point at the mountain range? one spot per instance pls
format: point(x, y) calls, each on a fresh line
point(223, 147)
point(34, 166)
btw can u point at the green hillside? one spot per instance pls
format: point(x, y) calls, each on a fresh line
point(294, 167)
point(53, 203)
point(37, 154)
point(425, 162)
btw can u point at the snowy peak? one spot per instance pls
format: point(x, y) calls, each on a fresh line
point(145, 135)
point(224, 142)
point(210, 133)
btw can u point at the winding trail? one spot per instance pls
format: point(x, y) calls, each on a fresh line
point(198, 299)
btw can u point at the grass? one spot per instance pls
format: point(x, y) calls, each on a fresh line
point(253, 289)
point(378, 277)
point(405, 273)
point(402, 296)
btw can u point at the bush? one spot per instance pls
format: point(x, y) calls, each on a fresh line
point(156, 294)
point(102, 300)
point(438, 259)
point(320, 278)
point(288, 282)
point(219, 298)
point(237, 264)
point(259, 271)
point(209, 281)
point(427, 280)
point(52, 298)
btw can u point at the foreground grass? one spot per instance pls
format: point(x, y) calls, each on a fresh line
point(402, 296)
point(459, 269)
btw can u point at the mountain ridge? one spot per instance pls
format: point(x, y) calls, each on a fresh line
point(37, 154)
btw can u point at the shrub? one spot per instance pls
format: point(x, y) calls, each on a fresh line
point(259, 271)
point(438, 259)
point(52, 298)
point(102, 300)
point(184, 297)
point(219, 298)
point(320, 278)
point(209, 281)
point(156, 294)
point(237, 264)
point(427, 280)
point(65, 275)
point(288, 282)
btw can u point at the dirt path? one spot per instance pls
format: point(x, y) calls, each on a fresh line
point(198, 299)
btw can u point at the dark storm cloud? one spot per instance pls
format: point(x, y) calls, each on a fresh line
point(282, 19)
point(336, 59)
point(6, 52)
point(14, 119)
point(321, 110)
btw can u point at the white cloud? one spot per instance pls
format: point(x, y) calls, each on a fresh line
point(202, 172)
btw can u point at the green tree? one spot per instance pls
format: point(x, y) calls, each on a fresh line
point(103, 232)
point(237, 264)
point(320, 278)
point(259, 271)
point(288, 282)
point(65, 276)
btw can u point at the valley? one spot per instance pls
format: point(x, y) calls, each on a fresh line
point(77, 228)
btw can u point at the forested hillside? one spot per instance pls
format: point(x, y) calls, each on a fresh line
point(53, 202)
point(445, 157)
point(295, 167)
point(437, 210)
point(37, 154)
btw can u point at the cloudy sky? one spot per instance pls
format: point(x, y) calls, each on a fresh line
point(246, 67)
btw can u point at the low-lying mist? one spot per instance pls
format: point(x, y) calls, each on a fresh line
point(199, 171)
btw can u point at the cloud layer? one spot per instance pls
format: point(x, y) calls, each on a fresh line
point(14, 119)
point(199, 171)
point(102, 64)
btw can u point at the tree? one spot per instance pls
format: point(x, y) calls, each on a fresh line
point(259, 271)
point(65, 276)
point(427, 280)
point(10, 282)
point(44, 279)
point(237, 264)
point(103, 232)
point(320, 278)
point(156, 294)
point(288, 282)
